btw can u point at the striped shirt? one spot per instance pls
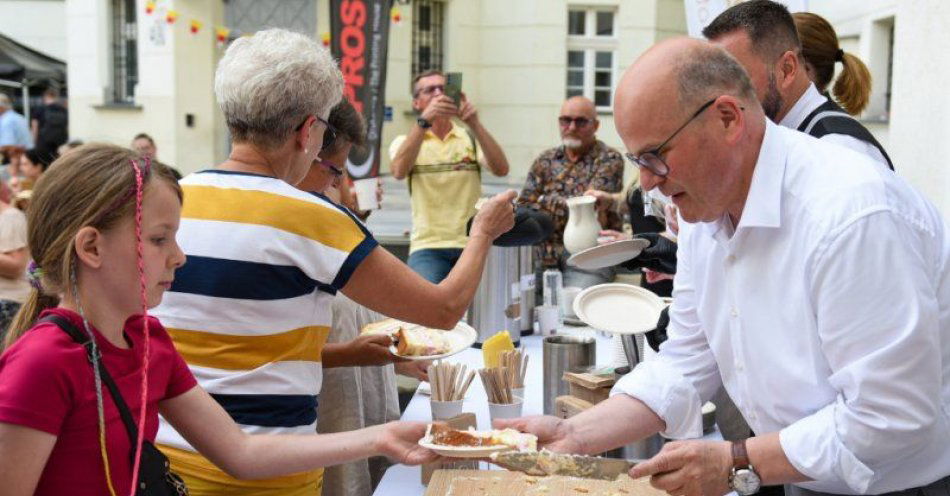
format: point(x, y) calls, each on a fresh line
point(250, 309)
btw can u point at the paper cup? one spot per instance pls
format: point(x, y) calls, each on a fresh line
point(549, 318)
point(505, 411)
point(366, 193)
point(444, 410)
point(569, 292)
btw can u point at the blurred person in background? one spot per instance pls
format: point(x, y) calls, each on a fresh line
point(14, 257)
point(33, 164)
point(821, 52)
point(15, 138)
point(49, 124)
point(145, 146)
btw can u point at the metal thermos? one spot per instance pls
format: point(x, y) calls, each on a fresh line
point(499, 300)
point(564, 354)
point(526, 285)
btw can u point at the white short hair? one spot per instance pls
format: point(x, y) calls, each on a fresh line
point(5, 101)
point(267, 84)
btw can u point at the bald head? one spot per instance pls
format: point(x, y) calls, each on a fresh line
point(697, 93)
point(578, 123)
point(5, 101)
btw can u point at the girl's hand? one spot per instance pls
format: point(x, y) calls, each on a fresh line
point(400, 441)
point(608, 236)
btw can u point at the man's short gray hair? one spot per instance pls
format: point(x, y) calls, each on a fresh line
point(269, 83)
point(5, 101)
point(706, 72)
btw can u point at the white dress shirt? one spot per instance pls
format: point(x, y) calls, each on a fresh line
point(825, 314)
point(807, 104)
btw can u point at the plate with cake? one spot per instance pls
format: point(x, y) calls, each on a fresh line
point(453, 443)
point(416, 342)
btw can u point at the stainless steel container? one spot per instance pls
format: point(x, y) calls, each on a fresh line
point(497, 303)
point(526, 285)
point(564, 354)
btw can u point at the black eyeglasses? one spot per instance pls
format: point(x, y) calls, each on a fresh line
point(579, 122)
point(650, 159)
point(428, 90)
point(329, 132)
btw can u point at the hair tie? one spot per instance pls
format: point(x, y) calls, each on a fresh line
point(839, 55)
point(35, 275)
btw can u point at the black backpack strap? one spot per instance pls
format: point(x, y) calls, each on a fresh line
point(84, 341)
point(830, 118)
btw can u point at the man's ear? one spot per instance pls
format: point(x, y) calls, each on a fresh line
point(596, 124)
point(88, 246)
point(787, 69)
point(729, 112)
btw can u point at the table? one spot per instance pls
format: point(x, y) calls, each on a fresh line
point(402, 480)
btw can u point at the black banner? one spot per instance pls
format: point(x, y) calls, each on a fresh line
point(359, 39)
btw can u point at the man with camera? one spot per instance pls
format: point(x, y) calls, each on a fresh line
point(443, 162)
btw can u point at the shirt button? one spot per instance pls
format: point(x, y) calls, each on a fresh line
point(739, 367)
point(731, 258)
point(734, 312)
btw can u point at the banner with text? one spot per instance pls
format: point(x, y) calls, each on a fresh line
point(699, 13)
point(359, 39)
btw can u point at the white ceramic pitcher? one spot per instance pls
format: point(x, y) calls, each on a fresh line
point(582, 227)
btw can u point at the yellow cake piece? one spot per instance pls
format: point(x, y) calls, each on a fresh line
point(494, 346)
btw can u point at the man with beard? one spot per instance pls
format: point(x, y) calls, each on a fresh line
point(761, 35)
point(582, 162)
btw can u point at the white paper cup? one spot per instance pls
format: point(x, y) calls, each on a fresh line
point(444, 410)
point(366, 193)
point(549, 318)
point(505, 411)
point(570, 292)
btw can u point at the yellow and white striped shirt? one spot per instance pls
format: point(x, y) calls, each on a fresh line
point(250, 309)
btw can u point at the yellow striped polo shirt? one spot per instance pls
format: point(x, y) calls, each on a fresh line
point(250, 309)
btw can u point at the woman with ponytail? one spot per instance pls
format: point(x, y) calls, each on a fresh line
point(86, 371)
point(821, 52)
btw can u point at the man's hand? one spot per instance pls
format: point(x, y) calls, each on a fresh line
point(417, 369)
point(605, 200)
point(660, 256)
point(400, 441)
point(554, 434)
point(441, 107)
point(689, 468)
point(467, 112)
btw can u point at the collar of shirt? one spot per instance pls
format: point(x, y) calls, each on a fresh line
point(763, 204)
point(456, 132)
point(806, 104)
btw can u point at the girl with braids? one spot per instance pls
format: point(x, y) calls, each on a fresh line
point(821, 52)
point(102, 236)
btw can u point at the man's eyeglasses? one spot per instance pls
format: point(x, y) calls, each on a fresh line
point(329, 132)
point(579, 122)
point(428, 90)
point(334, 170)
point(650, 159)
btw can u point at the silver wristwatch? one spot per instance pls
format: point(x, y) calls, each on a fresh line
point(743, 479)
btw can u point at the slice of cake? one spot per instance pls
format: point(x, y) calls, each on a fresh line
point(421, 341)
point(446, 436)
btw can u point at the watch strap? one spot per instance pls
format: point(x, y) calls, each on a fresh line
point(740, 457)
point(424, 124)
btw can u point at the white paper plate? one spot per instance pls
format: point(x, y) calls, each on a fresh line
point(608, 255)
point(460, 337)
point(619, 308)
point(463, 451)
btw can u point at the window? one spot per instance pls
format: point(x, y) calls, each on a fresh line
point(880, 62)
point(591, 54)
point(427, 22)
point(125, 67)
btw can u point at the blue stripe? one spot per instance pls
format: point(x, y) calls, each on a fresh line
point(223, 278)
point(358, 254)
point(270, 410)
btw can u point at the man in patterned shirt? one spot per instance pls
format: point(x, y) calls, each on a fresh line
point(582, 162)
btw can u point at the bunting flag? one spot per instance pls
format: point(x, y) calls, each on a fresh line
point(171, 16)
point(149, 7)
point(221, 35)
point(395, 15)
point(194, 26)
point(325, 39)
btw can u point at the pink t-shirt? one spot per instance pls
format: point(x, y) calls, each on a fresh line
point(46, 383)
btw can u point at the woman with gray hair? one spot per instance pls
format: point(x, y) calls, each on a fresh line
point(250, 310)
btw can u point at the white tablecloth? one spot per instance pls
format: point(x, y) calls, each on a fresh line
point(401, 480)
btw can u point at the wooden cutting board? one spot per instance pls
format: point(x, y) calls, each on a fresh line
point(504, 483)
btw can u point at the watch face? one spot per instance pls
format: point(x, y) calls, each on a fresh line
point(746, 481)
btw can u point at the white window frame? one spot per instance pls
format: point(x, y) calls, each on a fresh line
point(590, 44)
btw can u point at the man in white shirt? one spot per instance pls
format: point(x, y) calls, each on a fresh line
point(761, 35)
point(844, 372)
